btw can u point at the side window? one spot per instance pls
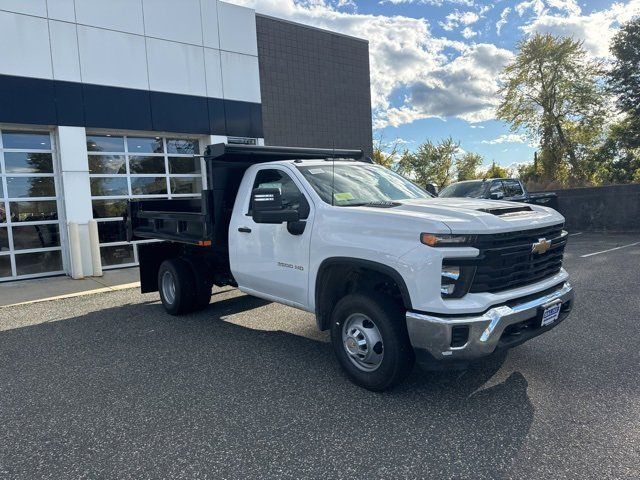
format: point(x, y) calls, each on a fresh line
point(291, 195)
point(496, 187)
point(513, 188)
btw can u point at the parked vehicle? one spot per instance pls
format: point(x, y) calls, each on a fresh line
point(510, 189)
point(394, 274)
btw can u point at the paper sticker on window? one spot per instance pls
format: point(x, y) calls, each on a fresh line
point(315, 171)
point(343, 197)
point(271, 185)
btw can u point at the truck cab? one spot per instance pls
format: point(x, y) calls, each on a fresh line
point(395, 274)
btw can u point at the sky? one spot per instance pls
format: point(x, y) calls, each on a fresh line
point(435, 63)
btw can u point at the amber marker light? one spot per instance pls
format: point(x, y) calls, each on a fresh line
point(429, 239)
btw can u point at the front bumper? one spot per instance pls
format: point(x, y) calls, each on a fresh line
point(431, 335)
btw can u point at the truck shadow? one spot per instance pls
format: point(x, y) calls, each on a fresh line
point(126, 382)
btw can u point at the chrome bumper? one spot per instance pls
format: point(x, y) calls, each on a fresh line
point(432, 334)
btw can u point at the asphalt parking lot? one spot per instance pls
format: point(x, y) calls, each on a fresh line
point(109, 386)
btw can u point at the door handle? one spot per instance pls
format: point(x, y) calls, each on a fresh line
point(244, 229)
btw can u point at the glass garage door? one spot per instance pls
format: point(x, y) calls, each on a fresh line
point(30, 226)
point(123, 167)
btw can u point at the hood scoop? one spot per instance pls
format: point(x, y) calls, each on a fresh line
point(506, 211)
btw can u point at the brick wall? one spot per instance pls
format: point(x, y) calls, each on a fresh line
point(314, 85)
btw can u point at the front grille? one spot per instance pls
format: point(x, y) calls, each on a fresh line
point(506, 260)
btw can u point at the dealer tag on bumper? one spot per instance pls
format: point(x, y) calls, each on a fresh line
point(550, 313)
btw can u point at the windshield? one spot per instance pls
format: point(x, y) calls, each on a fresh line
point(358, 184)
point(466, 189)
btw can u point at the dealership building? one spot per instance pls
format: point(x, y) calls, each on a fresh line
point(102, 101)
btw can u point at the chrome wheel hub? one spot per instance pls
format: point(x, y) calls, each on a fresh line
point(168, 287)
point(363, 342)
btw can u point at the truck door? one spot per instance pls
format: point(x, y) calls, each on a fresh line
point(513, 190)
point(270, 259)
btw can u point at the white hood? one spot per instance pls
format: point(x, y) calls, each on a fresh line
point(466, 215)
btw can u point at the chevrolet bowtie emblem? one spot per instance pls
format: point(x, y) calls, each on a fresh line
point(541, 246)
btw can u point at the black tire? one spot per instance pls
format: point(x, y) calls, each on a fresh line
point(184, 296)
point(203, 287)
point(398, 356)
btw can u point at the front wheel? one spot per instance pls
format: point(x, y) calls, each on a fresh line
point(371, 342)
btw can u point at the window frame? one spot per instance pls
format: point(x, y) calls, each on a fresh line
point(6, 201)
point(296, 182)
point(129, 176)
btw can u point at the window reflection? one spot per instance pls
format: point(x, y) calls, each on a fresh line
point(26, 140)
point(105, 143)
point(33, 211)
point(23, 162)
point(184, 165)
point(40, 262)
point(183, 146)
point(5, 266)
point(107, 164)
point(109, 208)
point(109, 232)
point(35, 236)
point(107, 187)
point(148, 185)
point(117, 255)
point(4, 239)
point(146, 165)
point(186, 185)
point(21, 187)
point(137, 145)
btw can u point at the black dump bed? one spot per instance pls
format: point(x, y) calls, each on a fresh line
point(204, 221)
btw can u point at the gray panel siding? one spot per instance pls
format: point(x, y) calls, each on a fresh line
point(315, 87)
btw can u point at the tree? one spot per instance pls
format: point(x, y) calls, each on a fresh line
point(552, 91)
point(385, 153)
point(496, 171)
point(467, 166)
point(624, 79)
point(430, 163)
point(619, 159)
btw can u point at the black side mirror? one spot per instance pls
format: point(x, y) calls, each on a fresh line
point(496, 196)
point(266, 207)
point(432, 189)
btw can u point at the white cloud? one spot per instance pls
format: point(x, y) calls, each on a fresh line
point(407, 60)
point(569, 6)
point(503, 19)
point(595, 29)
point(346, 3)
point(400, 48)
point(537, 6)
point(464, 88)
point(477, 126)
point(506, 138)
point(457, 18)
point(467, 32)
point(434, 76)
point(435, 3)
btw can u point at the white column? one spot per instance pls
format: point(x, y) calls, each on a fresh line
point(74, 167)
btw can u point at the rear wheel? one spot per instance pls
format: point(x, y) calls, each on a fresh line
point(176, 284)
point(370, 339)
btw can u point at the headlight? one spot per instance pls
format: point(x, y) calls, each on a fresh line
point(448, 280)
point(441, 240)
